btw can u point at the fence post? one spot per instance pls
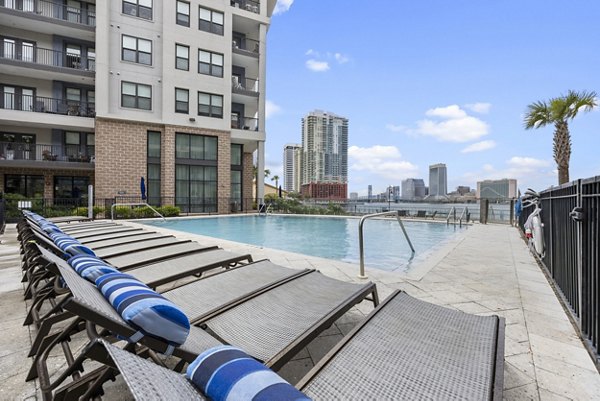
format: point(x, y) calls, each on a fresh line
point(579, 251)
point(483, 210)
point(90, 202)
point(512, 212)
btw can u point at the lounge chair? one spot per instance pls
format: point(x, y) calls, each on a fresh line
point(152, 275)
point(297, 312)
point(402, 213)
point(107, 243)
point(405, 349)
point(421, 214)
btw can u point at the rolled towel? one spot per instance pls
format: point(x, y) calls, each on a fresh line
point(145, 309)
point(227, 373)
point(50, 228)
point(70, 245)
point(90, 267)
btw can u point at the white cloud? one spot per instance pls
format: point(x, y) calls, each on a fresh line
point(271, 109)
point(382, 161)
point(451, 124)
point(450, 112)
point(311, 52)
point(282, 6)
point(479, 107)
point(479, 146)
point(317, 66)
point(527, 162)
point(395, 128)
point(341, 58)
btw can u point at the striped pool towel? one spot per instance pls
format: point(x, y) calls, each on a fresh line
point(227, 373)
point(90, 267)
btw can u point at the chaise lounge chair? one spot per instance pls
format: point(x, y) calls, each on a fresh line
point(405, 349)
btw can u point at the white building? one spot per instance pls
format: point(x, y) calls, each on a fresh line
point(438, 180)
point(106, 92)
point(292, 167)
point(503, 189)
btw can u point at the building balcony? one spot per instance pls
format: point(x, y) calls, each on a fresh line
point(53, 18)
point(246, 47)
point(38, 111)
point(26, 54)
point(248, 5)
point(244, 123)
point(244, 86)
point(28, 155)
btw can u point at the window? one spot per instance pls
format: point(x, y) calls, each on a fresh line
point(30, 186)
point(196, 147)
point(73, 56)
point(91, 145)
point(72, 145)
point(73, 95)
point(153, 172)
point(138, 8)
point(182, 57)
point(74, 11)
point(211, 21)
point(91, 59)
point(236, 176)
point(210, 105)
point(183, 13)
point(136, 50)
point(210, 63)
point(196, 188)
point(69, 187)
point(136, 96)
point(182, 100)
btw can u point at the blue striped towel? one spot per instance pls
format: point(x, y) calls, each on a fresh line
point(90, 267)
point(145, 309)
point(227, 373)
point(50, 228)
point(70, 245)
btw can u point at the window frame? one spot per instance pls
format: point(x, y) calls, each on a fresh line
point(210, 105)
point(136, 96)
point(213, 27)
point(137, 50)
point(187, 104)
point(177, 58)
point(211, 65)
point(177, 13)
point(137, 7)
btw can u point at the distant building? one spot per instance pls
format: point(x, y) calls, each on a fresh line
point(497, 189)
point(438, 180)
point(292, 158)
point(324, 152)
point(396, 193)
point(354, 195)
point(462, 190)
point(325, 190)
point(370, 192)
point(413, 188)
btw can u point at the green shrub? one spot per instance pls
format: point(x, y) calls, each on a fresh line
point(83, 211)
point(169, 211)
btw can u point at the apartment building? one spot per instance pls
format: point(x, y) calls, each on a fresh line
point(324, 155)
point(108, 92)
point(503, 189)
point(292, 158)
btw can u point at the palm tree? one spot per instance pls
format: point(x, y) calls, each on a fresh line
point(276, 179)
point(559, 111)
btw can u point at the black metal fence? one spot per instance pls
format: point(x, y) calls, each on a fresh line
point(572, 250)
point(54, 207)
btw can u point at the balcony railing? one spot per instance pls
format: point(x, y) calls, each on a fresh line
point(39, 104)
point(38, 55)
point(248, 5)
point(245, 123)
point(246, 46)
point(52, 10)
point(51, 153)
point(244, 86)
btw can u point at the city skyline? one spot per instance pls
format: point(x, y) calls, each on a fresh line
point(432, 82)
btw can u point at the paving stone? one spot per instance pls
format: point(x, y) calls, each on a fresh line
point(321, 346)
point(523, 393)
point(296, 369)
point(518, 370)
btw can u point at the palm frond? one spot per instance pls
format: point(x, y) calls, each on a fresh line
point(581, 101)
point(538, 115)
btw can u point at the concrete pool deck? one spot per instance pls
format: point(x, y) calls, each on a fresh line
point(486, 270)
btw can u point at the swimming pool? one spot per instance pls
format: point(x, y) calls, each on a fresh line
point(326, 237)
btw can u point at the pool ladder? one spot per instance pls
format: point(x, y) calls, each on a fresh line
point(360, 237)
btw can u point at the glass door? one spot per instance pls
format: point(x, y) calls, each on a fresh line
point(8, 97)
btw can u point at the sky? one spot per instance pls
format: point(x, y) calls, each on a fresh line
point(435, 81)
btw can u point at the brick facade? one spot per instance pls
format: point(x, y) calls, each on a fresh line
point(121, 159)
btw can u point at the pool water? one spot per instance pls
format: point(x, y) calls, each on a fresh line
point(332, 238)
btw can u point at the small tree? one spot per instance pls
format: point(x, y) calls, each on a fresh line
point(558, 111)
point(276, 179)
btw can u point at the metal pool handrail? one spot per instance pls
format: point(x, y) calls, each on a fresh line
point(360, 237)
point(460, 219)
point(451, 213)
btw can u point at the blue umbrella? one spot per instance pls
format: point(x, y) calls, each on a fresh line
point(143, 188)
